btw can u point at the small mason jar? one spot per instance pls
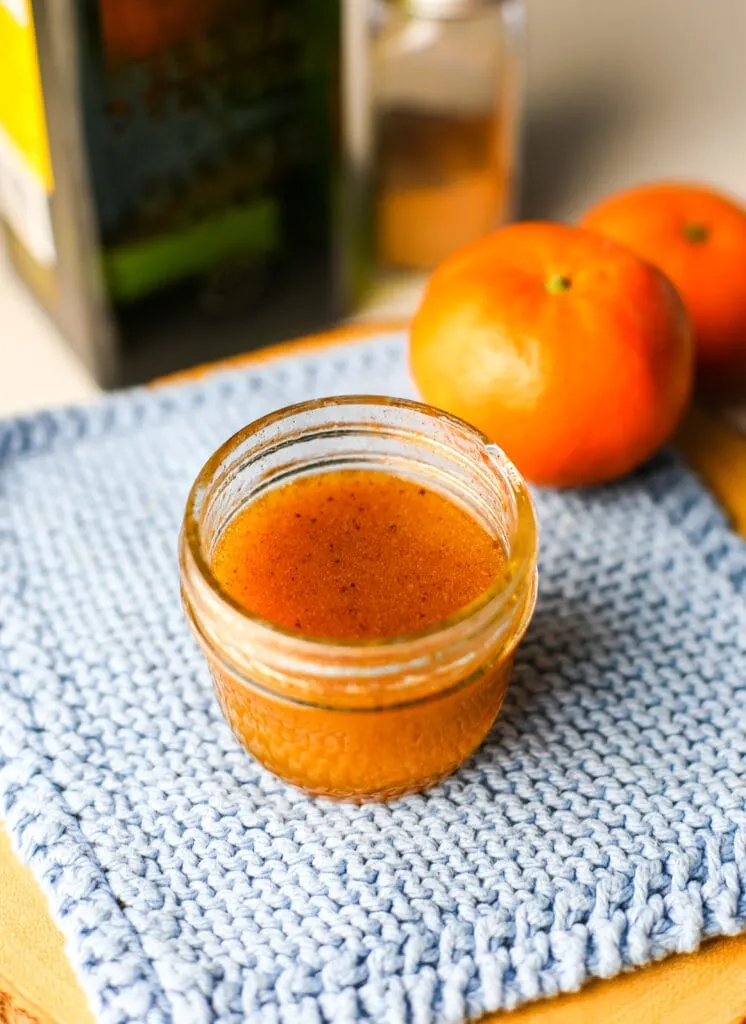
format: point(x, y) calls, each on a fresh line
point(361, 720)
point(447, 85)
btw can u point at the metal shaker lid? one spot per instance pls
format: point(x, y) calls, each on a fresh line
point(444, 8)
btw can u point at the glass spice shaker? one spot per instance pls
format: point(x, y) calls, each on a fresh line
point(446, 81)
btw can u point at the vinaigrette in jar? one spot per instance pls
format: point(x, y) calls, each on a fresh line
point(359, 572)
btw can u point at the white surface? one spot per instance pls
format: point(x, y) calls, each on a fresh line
point(36, 366)
point(620, 91)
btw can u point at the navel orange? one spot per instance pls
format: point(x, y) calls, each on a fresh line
point(697, 237)
point(569, 351)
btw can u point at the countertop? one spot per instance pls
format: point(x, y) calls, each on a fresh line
point(617, 93)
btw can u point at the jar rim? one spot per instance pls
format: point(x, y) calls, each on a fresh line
point(519, 562)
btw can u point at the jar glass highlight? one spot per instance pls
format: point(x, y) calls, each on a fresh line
point(358, 720)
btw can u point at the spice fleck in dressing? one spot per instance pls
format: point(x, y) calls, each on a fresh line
point(355, 555)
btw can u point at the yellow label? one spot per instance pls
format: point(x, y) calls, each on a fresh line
point(21, 103)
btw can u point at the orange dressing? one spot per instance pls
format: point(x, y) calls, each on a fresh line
point(361, 555)
point(355, 555)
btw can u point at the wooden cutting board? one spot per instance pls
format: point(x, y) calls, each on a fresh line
point(37, 983)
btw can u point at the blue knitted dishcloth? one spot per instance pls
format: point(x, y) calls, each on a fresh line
point(601, 826)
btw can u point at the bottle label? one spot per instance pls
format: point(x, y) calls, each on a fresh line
point(26, 179)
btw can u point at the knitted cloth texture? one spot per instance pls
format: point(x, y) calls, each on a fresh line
point(601, 826)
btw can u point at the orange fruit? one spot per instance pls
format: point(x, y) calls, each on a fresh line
point(569, 351)
point(697, 237)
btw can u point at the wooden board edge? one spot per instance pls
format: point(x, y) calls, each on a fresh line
point(273, 353)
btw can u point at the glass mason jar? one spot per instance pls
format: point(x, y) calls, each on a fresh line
point(376, 719)
point(446, 81)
